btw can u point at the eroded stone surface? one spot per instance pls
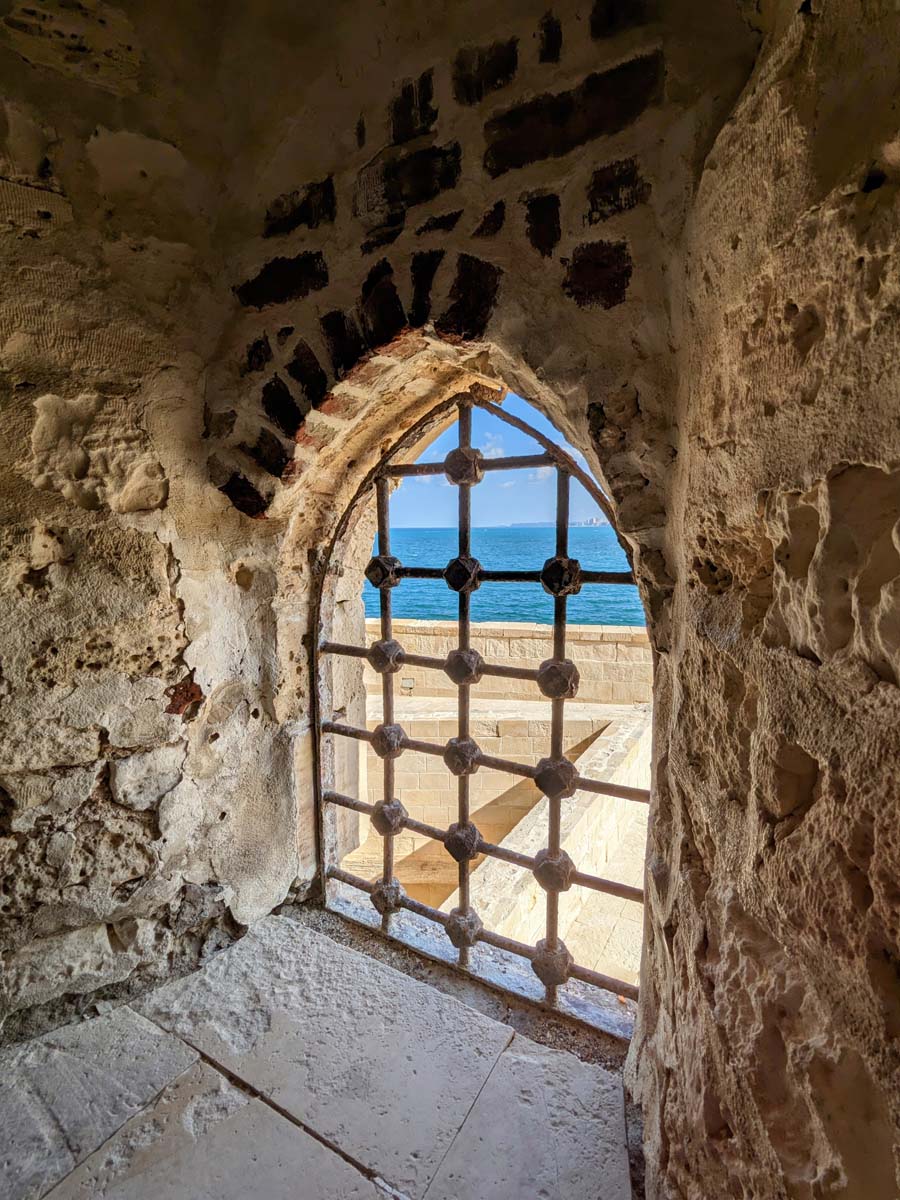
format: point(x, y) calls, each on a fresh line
point(544, 1125)
point(206, 1139)
point(381, 1065)
point(64, 1094)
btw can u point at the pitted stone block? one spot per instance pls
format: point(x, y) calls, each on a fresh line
point(462, 574)
point(464, 666)
point(554, 872)
point(464, 465)
point(387, 896)
point(461, 756)
point(388, 817)
point(552, 966)
point(556, 777)
point(561, 576)
point(463, 927)
point(462, 841)
point(385, 657)
point(382, 571)
point(558, 678)
point(388, 740)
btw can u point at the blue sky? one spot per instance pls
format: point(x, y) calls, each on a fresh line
point(502, 497)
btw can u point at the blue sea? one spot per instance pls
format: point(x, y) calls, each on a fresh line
point(511, 548)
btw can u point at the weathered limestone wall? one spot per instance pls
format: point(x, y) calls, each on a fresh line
point(767, 1056)
point(615, 662)
point(245, 248)
point(212, 220)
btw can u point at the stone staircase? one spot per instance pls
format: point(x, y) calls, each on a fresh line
point(293, 1068)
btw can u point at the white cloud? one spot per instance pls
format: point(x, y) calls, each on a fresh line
point(509, 483)
point(540, 474)
point(493, 446)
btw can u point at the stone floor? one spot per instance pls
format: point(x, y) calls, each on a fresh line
point(292, 1068)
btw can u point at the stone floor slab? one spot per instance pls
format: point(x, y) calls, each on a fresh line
point(203, 1139)
point(63, 1094)
point(545, 1125)
point(381, 1065)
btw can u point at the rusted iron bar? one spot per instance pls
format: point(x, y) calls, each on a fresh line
point(383, 497)
point(617, 986)
point(515, 462)
point(595, 883)
point(493, 763)
point(490, 576)
point(464, 545)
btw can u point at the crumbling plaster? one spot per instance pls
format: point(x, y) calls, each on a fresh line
point(244, 249)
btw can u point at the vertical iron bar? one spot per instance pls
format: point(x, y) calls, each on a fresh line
point(465, 549)
point(557, 710)
point(383, 495)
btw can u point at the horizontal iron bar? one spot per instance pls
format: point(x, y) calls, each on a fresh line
point(491, 576)
point(616, 986)
point(426, 660)
point(514, 462)
point(610, 886)
point(619, 791)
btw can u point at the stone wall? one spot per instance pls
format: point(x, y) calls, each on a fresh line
point(243, 251)
point(615, 662)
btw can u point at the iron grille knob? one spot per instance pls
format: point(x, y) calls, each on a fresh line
point(554, 872)
point(463, 574)
point(561, 576)
point(385, 657)
point(464, 465)
point(388, 817)
point(461, 756)
point(462, 841)
point(387, 896)
point(556, 777)
point(552, 966)
point(463, 927)
point(388, 740)
point(382, 571)
point(464, 666)
point(558, 678)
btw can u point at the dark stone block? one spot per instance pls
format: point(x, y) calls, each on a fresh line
point(281, 408)
point(258, 354)
point(615, 188)
point(422, 271)
point(218, 424)
point(552, 125)
point(599, 273)
point(380, 238)
point(609, 17)
point(344, 341)
point(244, 496)
point(380, 308)
point(492, 221)
point(542, 223)
point(284, 333)
point(268, 453)
point(442, 224)
point(285, 279)
point(482, 69)
point(550, 31)
point(472, 298)
point(412, 113)
point(401, 179)
point(304, 368)
point(310, 206)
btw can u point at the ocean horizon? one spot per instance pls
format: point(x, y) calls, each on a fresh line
point(515, 548)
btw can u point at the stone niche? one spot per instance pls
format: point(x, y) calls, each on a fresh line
point(245, 252)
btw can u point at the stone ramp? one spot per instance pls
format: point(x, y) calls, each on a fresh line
point(293, 1067)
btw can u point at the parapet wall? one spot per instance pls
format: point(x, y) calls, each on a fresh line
point(614, 661)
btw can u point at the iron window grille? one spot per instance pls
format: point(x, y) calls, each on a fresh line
point(557, 679)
